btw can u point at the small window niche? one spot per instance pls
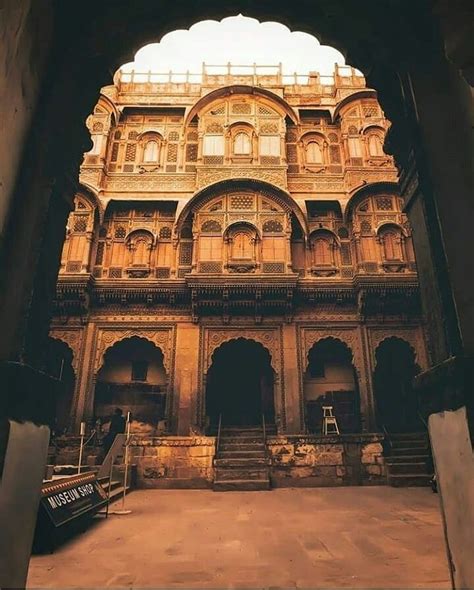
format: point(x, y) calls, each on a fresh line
point(139, 370)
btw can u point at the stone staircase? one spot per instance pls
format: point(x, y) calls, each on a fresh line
point(241, 462)
point(409, 460)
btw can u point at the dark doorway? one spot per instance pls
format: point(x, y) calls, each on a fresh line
point(397, 405)
point(58, 363)
point(133, 378)
point(240, 384)
point(331, 380)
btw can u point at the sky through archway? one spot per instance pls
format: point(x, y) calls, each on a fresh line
point(239, 40)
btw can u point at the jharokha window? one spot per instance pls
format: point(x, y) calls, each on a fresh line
point(322, 252)
point(242, 246)
point(391, 244)
point(151, 152)
point(314, 154)
point(140, 245)
point(242, 144)
point(375, 145)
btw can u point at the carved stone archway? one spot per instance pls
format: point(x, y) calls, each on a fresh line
point(353, 338)
point(107, 338)
point(414, 337)
point(73, 339)
point(270, 339)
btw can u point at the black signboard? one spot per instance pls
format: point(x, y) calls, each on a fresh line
point(66, 501)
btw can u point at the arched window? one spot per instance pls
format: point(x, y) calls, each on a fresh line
point(375, 145)
point(242, 247)
point(322, 252)
point(241, 144)
point(314, 154)
point(150, 153)
point(391, 242)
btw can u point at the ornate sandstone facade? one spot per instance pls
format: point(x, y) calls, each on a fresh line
point(238, 247)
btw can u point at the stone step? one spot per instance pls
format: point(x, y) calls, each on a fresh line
point(230, 438)
point(409, 480)
point(239, 454)
point(241, 446)
point(412, 444)
point(407, 468)
point(241, 462)
point(241, 485)
point(406, 451)
point(407, 458)
point(242, 433)
point(241, 472)
point(408, 436)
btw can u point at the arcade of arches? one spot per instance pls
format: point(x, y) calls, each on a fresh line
point(312, 242)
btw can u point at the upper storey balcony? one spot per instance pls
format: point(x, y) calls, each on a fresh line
point(152, 87)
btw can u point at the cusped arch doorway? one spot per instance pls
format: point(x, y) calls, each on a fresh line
point(240, 385)
point(397, 404)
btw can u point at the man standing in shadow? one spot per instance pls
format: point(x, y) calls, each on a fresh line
point(117, 426)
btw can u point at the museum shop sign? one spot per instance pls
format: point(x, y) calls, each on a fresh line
point(66, 502)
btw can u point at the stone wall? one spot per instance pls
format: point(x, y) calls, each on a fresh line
point(327, 461)
point(174, 461)
point(296, 460)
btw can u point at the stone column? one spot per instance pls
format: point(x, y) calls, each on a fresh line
point(365, 373)
point(186, 377)
point(83, 403)
point(292, 380)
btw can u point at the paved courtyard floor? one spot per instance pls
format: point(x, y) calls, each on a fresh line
point(360, 537)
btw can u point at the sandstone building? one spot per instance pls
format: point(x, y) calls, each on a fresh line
point(238, 249)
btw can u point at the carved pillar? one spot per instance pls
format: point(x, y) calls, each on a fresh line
point(86, 256)
point(365, 373)
point(292, 380)
point(186, 378)
point(83, 402)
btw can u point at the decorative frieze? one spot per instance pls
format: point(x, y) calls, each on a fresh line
point(210, 175)
point(150, 182)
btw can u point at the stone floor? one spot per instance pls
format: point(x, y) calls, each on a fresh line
point(361, 537)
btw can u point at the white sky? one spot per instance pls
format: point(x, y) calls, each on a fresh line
point(239, 40)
